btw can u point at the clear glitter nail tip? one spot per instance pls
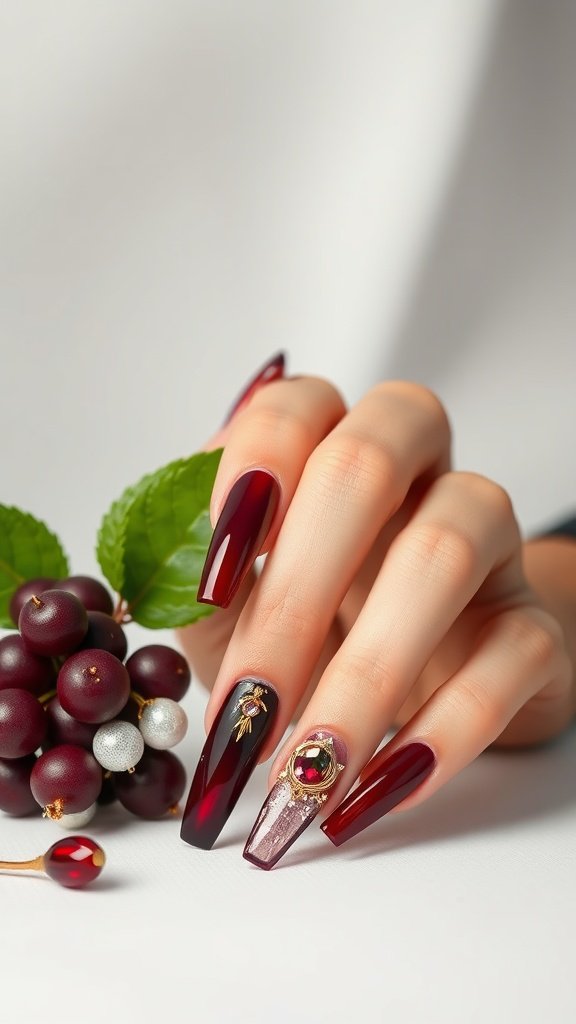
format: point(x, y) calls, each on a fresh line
point(295, 800)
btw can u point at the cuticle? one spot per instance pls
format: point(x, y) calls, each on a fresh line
point(250, 469)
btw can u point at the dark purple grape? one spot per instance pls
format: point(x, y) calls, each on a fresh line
point(106, 634)
point(154, 787)
point(62, 728)
point(22, 723)
point(93, 686)
point(89, 591)
point(15, 793)
point(65, 780)
point(108, 791)
point(54, 623)
point(159, 671)
point(22, 670)
point(25, 592)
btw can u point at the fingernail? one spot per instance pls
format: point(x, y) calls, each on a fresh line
point(390, 783)
point(297, 796)
point(228, 759)
point(272, 370)
point(238, 536)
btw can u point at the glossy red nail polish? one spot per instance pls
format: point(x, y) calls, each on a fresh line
point(238, 536)
point(228, 759)
point(272, 370)
point(390, 783)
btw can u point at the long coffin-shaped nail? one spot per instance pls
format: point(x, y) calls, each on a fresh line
point(297, 796)
point(272, 370)
point(390, 783)
point(228, 759)
point(238, 536)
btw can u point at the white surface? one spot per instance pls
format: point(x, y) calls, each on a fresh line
point(462, 910)
point(384, 190)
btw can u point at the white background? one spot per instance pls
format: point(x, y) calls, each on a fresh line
point(382, 189)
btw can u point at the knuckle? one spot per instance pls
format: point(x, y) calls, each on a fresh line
point(354, 465)
point(472, 699)
point(282, 613)
point(436, 551)
point(421, 396)
point(365, 672)
point(488, 493)
point(540, 636)
point(333, 395)
point(280, 427)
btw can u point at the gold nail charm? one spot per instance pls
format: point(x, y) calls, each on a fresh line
point(249, 706)
point(312, 769)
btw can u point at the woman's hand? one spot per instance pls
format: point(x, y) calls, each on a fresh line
point(393, 592)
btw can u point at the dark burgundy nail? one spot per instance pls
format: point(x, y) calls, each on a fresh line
point(272, 370)
point(228, 759)
point(238, 536)
point(390, 783)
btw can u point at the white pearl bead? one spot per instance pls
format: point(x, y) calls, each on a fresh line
point(118, 746)
point(79, 819)
point(163, 723)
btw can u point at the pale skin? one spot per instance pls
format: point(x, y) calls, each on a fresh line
point(396, 591)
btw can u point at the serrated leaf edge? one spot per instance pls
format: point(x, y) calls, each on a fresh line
point(38, 524)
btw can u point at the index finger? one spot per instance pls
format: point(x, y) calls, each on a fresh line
point(263, 460)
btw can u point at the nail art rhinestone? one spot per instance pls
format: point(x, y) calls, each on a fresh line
point(251, 708)
point(312, 766)
point(312, 769)
point(250, 705)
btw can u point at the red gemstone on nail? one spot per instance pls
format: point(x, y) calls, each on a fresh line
point(312, 766)
point(74, 861)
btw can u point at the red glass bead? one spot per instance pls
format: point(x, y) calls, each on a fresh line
point(74, 861)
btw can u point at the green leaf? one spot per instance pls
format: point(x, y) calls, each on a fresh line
point(155, 539)
point(111, 535)
point(27, 549)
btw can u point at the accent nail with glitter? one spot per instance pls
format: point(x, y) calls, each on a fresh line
point(297, 796)
point(228, 759)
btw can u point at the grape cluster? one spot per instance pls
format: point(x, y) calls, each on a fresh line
point(80, 726)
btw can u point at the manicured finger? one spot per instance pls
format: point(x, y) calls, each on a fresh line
point(265, 454)
point(205, 641)
point(519, 655)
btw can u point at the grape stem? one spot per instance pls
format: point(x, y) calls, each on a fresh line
point(140, 701)
point(120, 613)
point(47, 696)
